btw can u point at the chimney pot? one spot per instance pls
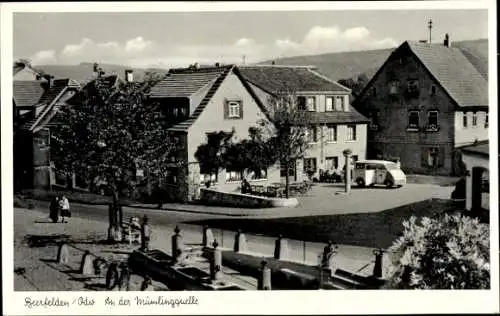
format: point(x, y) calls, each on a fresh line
point(447, 40)
point(129, 75)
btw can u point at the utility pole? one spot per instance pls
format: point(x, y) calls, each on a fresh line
point(243, 59)
point(430, 30)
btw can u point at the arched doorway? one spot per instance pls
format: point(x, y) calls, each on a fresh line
point(480, 185)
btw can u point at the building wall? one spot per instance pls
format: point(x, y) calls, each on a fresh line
point(212, 120)
point(392, 138)
point(467, 135)
point(470, 162)
point(41, 159)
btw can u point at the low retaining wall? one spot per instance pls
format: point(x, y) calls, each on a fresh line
point(249, 264)
point(214, 197)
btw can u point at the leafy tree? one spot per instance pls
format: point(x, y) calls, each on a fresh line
point(287, 131)
point(210, 155)
point(109, 133)
point(450, 252)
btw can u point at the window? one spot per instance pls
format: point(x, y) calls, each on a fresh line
point(432, 118)
point(351, 132)
point(301, 103)
point(412, 85)
point(373, 120)
point(206, 177)
point(311, 104)
point(433, 90)
point(433, 157)
point(182, 111)
point(331, 163)
point(393, 87)
point(175, 112)
point(374, 91)
point(233, 175)
point(310, 165)
point(464, 120)
point(474, 119)
point(331, 133)
point(234, 109)
point(312, 134)
point(329, 104)
point(486, 120)
point(339, 103)
point(258, 174)
point(413, 119)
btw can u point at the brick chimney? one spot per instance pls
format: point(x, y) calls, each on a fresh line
point(129, 75)
point(447, 41)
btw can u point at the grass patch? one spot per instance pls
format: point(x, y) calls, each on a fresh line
point(378, 229)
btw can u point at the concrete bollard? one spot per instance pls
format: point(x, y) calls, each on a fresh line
point(208, 236)
point(112, 276)
point(216, 262)
point(177, 247)
point(87, 265)
point(264, 281)
point(63, 254)
point(381, 263)
point(281, 248)
point(240, 242)
point(145, 234)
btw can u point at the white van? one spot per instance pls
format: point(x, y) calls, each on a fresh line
point(371, 172)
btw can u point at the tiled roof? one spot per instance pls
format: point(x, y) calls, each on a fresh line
point(351, 116)
point(216, 82)
point(27, 93)
point(185, 82)
point(480, 147)
point(457, 75)
point(272, 78)
point(47, 101)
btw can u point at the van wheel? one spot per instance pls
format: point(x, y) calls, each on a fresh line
point(389, 183)
point(360, 182)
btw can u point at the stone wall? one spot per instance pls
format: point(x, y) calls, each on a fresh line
point(214, 197)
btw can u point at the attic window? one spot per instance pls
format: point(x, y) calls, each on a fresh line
point(412, 85)
point(433, 90)
point(234, 110)
point(393, 87)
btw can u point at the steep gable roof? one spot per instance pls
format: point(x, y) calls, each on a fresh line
point(27, 93)
point(272, 78)
point(463, 82)
point(48, 100)
point(185, 82)
point(458, 76)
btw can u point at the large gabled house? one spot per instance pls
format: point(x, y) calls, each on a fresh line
point(202, 100)
point(32, 165)
point(333, 124)
point(424, 102)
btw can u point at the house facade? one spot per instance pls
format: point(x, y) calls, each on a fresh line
point(32, 158)
point(424, 102)
point(199, 101)
point(333, 125)
point(477, 163)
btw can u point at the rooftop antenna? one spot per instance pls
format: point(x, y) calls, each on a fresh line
point(429, 25)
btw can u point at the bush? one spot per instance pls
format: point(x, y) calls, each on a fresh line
point(450, 252)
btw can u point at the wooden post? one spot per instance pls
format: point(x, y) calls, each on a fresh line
point(215, 262)
point(264, 281)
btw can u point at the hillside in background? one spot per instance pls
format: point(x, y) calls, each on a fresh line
point(347, 65)
point(337, 66)
point(83, 71)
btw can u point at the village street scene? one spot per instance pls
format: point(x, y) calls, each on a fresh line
point(225, 151)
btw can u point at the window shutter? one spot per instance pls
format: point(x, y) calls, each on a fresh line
point(424, 155)
point(226, 109)
point(241, 109)
point(441, 157)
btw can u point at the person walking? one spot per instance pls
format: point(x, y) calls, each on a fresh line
point(65, 209)
point(54, 209)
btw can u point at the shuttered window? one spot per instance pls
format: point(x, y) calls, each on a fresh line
point(233, 110)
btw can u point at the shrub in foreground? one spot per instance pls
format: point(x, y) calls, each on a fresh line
point(450, 252)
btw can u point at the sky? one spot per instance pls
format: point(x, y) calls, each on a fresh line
point(166, 39)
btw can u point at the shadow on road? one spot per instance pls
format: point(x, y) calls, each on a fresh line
point(363, 229)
